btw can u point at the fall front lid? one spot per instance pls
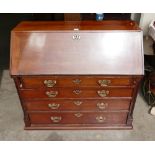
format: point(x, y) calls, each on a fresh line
point(79, 48)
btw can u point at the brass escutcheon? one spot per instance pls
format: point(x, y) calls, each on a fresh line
point(104, 83)
point(56, 119)
point(52, 93)
point(77, 103)
point(77, 92)
point(53, 105)
point(100, 119)
point(49, 83)
point(76, 37)
point(76, 81)
point(78, 114)
point(102, 105)
point(102, 93)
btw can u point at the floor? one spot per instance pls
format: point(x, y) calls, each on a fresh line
point(11, 119)
point(148, 45)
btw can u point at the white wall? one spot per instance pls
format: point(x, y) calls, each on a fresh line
point(145, 20)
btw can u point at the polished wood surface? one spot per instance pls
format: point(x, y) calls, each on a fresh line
point(77, 104)
point(84, 118)
point(79, 55)
point(75, 81)
point(77, 75)
point(71, 92)
point(81, 25)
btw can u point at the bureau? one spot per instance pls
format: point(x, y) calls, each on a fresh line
point(77, 75)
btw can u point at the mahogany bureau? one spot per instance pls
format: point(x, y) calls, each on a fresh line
point(77, 75)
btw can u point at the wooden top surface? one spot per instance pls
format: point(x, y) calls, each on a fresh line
point(104, 48)
point(71, 25)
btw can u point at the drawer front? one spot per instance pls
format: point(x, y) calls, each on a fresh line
point(78, 118)
point(78, 105)
point(72, 81)
point(76, 93)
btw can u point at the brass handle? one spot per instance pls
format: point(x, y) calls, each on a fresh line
point(52, 93)
point(53, 105)
point(78, 114)
point(77, 92)
point(76, 81)
point(76, 37)
point(77, 103)
point(102, 105)
point(56, 119)
point(104, 83)
point(100, 119)
point(49, 83)
point(103, 93)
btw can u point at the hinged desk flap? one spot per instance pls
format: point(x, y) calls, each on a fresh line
point(80, 52)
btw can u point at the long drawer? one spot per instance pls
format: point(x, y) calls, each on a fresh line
point(72, 81)
point(78, 118)
point(77, 105)
point(75, 93)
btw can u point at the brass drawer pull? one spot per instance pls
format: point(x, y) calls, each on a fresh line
point(100, 119)
point(76, 81)
point(102, 105)
point(49, 83)
point(56, 119)
point(103, 93)
point(77, 92)
point(52, 93)
point(53, 105)
point(77, 103)
point(104, 83)
point(78, 115)
point(76, 37)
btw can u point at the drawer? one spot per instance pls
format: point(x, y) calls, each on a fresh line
point(78, 118)
point(72, 81)
point(74, 105)
point(75, 93)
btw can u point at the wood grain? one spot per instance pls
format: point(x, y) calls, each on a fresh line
point(69, 93)
point(92, 54)
point(86, 118)
point(70, 81)
point(84, 104)
point(75, 56)
point(82, 25)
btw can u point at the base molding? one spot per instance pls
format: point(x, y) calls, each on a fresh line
point(118, 127)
